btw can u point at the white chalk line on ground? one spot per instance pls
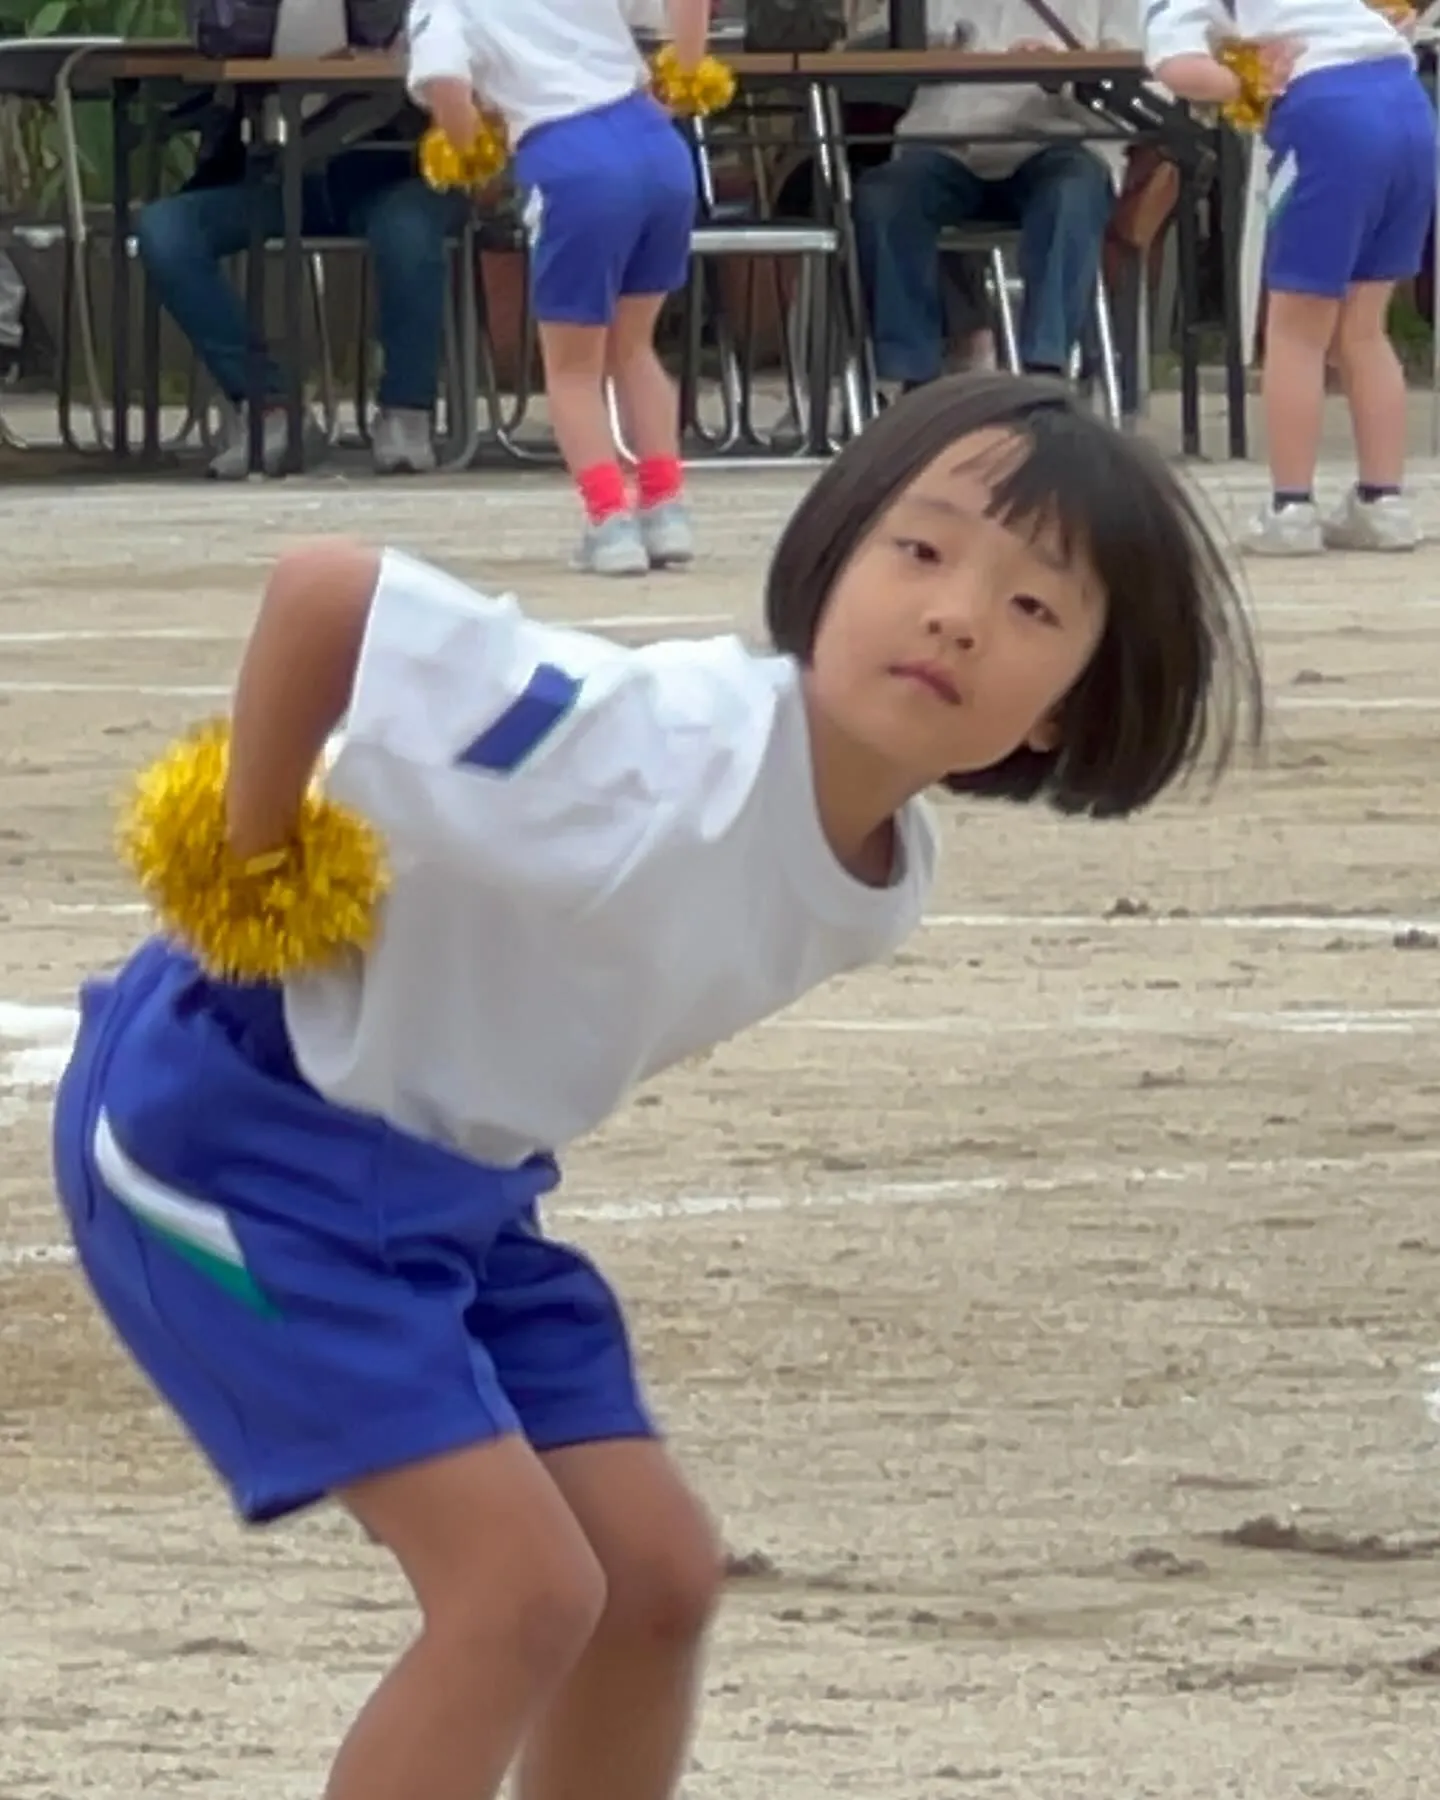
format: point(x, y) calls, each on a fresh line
point(1378, 925)
point(1175, 1022)
point(35, 1041)
point(1360, 924)
point(189, 634)
point(1060, 1179)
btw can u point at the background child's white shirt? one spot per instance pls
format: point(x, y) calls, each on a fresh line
point(651, 880)
point(532, 61)
point(1333, 32)
point(941, 109)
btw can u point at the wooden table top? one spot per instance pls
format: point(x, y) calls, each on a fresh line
point(961, 65)
point(181, 62)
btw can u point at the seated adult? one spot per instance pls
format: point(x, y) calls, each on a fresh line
point(1058, 192)
point(370, 193)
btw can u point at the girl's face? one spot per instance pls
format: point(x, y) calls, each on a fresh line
point(951, 638)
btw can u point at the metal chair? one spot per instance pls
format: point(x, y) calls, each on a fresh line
point(996, 245)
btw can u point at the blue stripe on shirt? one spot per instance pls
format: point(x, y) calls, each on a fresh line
point(548, 696)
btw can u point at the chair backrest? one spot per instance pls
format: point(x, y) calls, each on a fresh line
point(794, 24)
point(243, 28)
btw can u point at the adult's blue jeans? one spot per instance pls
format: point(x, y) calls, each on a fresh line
point(375, 194)
point(1061, 199)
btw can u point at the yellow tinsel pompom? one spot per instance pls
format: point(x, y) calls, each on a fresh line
point(691, 93)
point(258, 920)
point(1250, 108)
point(443, 166)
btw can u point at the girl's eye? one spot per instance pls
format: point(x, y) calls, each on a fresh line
point(1035, 609)
point(917, 550)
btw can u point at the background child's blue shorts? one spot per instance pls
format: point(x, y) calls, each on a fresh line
point(318, 1297)
point(610, 201)
point(1352, 178)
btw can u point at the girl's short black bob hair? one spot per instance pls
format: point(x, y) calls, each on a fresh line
point(1175, 674)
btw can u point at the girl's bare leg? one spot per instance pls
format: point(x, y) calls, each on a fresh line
point(509, 1594)
point(650, 413)
point(619, 1727)
point(574, 358)
point(1298, 332)
point(1374, 515)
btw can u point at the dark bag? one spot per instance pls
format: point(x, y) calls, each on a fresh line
point(779, 25)
point(246, 28)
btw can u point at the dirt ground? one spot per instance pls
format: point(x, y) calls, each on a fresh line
point(1046, 1314)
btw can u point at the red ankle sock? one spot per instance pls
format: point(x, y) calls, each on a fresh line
point(602, 490)
point(658, 479)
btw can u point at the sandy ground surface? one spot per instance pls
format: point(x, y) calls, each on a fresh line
point(1046, 1314)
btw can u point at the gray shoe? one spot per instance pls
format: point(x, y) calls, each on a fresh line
point(614, 547)
point(668, 533)
point(1286, 531)
point(232, 460)
point(1383, 524)
point(401, 443)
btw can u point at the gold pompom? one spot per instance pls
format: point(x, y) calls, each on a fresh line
point(1250, 108)
point(691, 93)
point(258, 920)
point(443, 166)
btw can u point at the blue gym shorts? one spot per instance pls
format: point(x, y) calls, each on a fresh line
point(610, 201)
point(1352, 178)
point(317, 1296)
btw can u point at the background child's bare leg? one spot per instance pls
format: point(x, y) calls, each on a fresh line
point(1374, 384)
point(650, 412)
point(1297, 334)
point(509, 1593)
point(574, 358)
point(1374, 515)
point(1298, 330)
point(618, 1728)
point(649, 402)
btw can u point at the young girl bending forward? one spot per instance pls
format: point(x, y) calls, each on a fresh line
point(313, 1210)
point(610, 201)
point(1351, 141)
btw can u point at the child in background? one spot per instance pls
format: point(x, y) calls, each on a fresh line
point(310, 1203)
point(1351, 140)
point(610, 201)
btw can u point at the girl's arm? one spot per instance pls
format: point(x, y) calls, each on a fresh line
point(1197, 76)
point(1178, 35)
point(439, 76)
point(294, 687)
point(689, 22)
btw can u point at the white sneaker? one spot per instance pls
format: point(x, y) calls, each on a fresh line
point(1284, 531)
point(614, 547)
point(1382, 524)
point(668, 533)
point(401, 443)
point(232, 461)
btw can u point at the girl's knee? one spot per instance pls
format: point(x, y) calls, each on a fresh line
point(540, 1617)
point(495, 1558)
point(667, 1588)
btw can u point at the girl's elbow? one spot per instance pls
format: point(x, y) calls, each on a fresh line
point(1195, 76)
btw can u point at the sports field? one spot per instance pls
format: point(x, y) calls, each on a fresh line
point(1045, 1314)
